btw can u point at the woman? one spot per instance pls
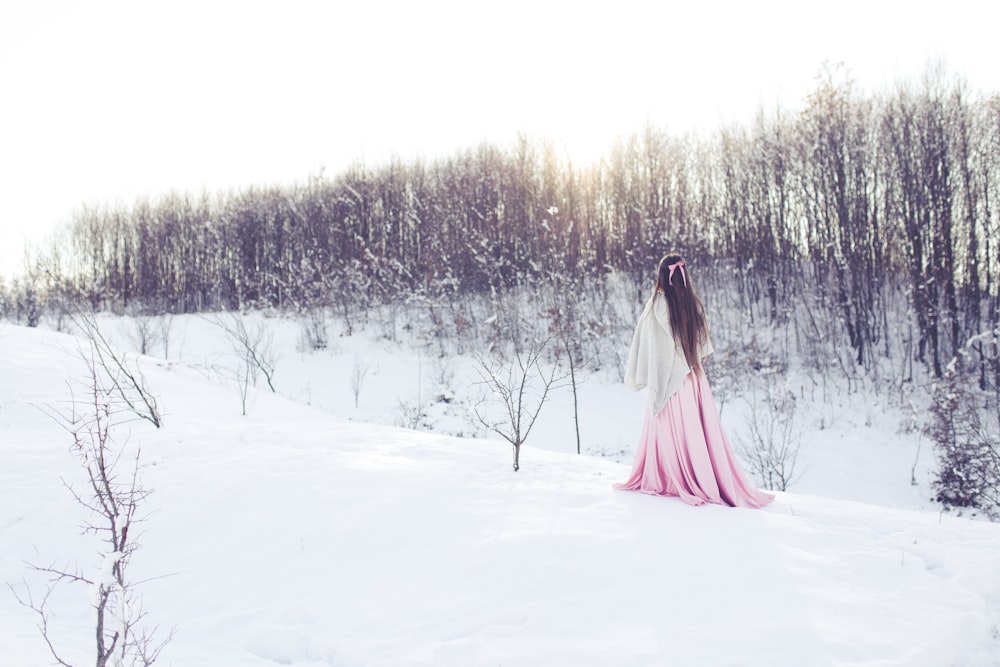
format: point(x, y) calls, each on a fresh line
point(683, 450)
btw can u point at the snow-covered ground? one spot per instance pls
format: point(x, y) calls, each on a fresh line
point(314, 532)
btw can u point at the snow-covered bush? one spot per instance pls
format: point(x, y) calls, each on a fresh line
point(967, 452)
point(314, 334)
point(772, 449)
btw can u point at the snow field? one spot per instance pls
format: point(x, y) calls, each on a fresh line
point(296, 536)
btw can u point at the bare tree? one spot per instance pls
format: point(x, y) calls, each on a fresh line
point(241, 375)
point(358, 374)
point(112, 499)
point(565, 325)
point(521, 387)
point(164, 328)
point(143, 328)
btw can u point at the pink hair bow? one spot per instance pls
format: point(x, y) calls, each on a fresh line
point(678, 264)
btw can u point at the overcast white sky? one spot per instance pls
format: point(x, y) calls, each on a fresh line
point(106, 101)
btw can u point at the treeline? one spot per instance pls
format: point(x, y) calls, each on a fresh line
point(863, 217)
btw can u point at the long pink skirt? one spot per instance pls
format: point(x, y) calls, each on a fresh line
point(684, 452)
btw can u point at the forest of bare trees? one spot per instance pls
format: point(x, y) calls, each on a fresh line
point(863, 226)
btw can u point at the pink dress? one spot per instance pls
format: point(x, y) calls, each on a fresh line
point(684, 452)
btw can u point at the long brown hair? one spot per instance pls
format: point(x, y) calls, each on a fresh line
point(687, 315)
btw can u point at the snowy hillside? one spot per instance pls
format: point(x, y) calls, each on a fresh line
point(295, 536)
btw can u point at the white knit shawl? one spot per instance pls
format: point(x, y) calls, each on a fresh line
point(656, 360)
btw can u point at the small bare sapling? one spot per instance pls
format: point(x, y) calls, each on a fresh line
point(521, 387)
point(358, 374)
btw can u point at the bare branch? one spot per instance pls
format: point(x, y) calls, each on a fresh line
point(43, 617)
point(128, 382)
